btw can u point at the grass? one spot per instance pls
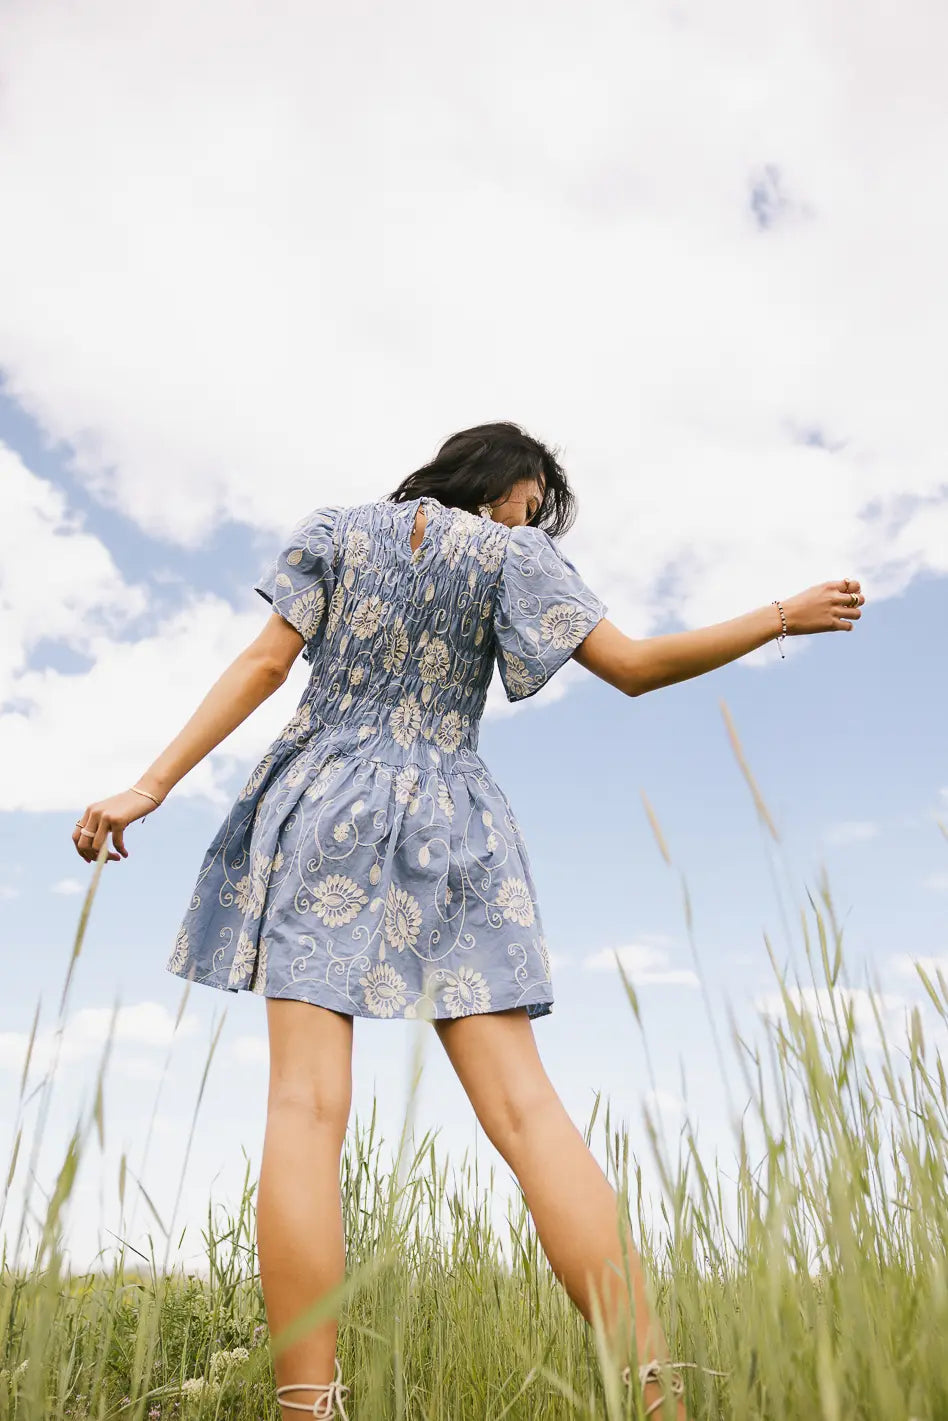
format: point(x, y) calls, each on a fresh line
point(812, 1271)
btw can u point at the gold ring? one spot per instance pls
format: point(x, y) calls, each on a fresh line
point(855, 599)
point(90, 832)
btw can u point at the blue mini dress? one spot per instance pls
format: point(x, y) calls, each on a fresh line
point(371, 863)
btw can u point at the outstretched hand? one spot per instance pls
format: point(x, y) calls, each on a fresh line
point(827, 607)
point(109, 816)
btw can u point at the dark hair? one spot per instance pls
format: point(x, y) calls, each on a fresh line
point(482, 464)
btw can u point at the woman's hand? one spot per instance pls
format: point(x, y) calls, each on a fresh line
point(823, 608)
point(109, 816)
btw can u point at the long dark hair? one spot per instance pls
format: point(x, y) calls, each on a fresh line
point(481, 465)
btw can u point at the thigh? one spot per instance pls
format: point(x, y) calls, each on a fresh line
point(310, 1057)
point(496, 1059)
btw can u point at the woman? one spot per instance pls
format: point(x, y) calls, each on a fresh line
point(371, 866)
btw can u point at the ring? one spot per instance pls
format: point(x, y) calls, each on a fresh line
point(855, 599)
point(88, 831)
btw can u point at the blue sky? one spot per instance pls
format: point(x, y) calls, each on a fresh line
point(720, 328)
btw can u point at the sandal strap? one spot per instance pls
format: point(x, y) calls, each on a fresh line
point(656, 1371)
point(331, 1400)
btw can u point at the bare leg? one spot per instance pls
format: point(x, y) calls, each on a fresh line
point(573, 1205)
point(300, 1238)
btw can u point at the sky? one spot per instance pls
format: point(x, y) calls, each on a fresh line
point(253, 260)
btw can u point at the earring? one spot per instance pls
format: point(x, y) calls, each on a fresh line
point(486, 511)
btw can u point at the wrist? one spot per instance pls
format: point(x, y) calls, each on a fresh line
point(148, 785)
point(779, 622)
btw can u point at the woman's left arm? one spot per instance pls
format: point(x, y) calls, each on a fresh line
point(253, 676)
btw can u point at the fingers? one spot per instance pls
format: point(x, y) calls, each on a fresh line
point(844, 610)
point(92, 832)
point(102, 837)
point(83, 835)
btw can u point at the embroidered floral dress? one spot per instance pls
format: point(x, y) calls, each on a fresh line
point(371, 863)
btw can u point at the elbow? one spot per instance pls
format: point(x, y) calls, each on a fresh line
point(634, 682)
point(272, 672)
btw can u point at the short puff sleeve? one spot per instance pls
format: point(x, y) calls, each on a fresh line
point(542, 611)
point(302, 577)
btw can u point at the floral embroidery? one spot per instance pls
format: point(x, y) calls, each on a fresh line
point(402, 920)
point(367, 617)
point(180, 955)
point(384, 990)
point(250, 889)
point(405, 720)
point(449, 732)
point(563, 625)
point(337, 899)
point(435, 661)
point(396, 646)
point(244, 958)
point(467, 992)
point(514, 897)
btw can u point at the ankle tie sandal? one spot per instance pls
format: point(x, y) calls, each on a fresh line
point(656, 1371)
point(323, 1406)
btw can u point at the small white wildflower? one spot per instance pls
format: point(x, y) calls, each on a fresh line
point(220, 1361)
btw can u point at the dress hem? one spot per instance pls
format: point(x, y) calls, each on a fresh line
point(536, 1007)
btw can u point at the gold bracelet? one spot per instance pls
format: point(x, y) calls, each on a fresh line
point(145, 792)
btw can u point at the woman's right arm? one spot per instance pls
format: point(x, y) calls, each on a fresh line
point(638, 666)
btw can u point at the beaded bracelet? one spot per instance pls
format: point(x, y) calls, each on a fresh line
point(781, 636)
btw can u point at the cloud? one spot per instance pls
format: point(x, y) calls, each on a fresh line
point(85, 1032)
point(818, 1003)
point(937, 882)
point(905, 963)
point(644, 964)
point(666, 1102)
point(851, 831)
point(110, 721)
point(68, 886)
point(56, 580)
point(250, 1050)
point(296, 261)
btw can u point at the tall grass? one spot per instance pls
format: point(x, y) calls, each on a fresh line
point(811, 1271)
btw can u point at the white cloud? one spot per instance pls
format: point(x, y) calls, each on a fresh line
point(937, 882)
point(905, 962)
point(8, 891)
point(110, 722)
point(710, 271)
point(643, 964)
point(851, 831)
point(666, 1102)
point(85, 1032)
point(818, 1002)
point(250, 1050)
point(56, 580)
point(68, 886)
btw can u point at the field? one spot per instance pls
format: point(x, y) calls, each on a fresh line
point(810, 1268)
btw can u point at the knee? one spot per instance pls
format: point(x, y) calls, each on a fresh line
point(515, 1111)
point(311, 1105)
